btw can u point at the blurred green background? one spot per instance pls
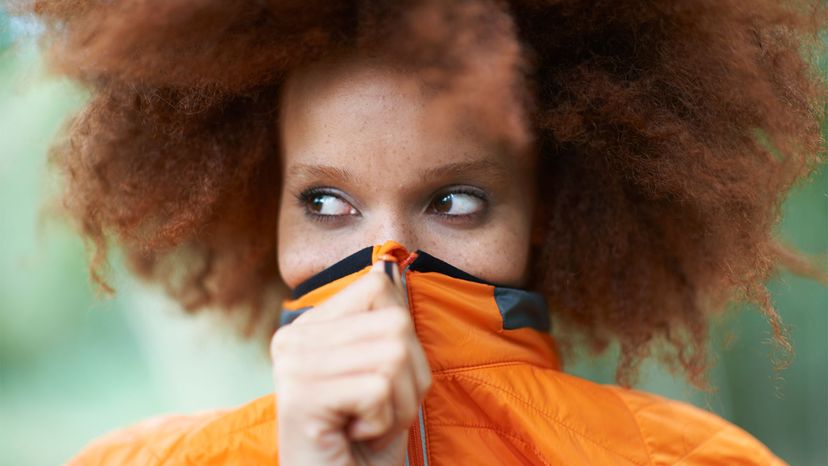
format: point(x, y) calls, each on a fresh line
point(73, 366)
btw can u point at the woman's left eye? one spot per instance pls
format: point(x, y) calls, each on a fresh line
point(458, 204)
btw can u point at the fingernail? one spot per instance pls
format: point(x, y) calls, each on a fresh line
point(386, 267)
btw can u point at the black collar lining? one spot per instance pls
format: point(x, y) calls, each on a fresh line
point(353, 263)
point(357, 261)
point(427, 263)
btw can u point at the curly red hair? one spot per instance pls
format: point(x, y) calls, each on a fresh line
point(668, 132)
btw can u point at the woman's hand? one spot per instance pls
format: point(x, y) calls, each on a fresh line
point(351, 376)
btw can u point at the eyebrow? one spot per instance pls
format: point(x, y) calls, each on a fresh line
point(483, 168)
point(303, 170)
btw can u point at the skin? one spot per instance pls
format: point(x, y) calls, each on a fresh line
point(389, 154)
point(369, 154)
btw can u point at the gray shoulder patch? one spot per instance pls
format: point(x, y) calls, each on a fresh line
point(521, 308)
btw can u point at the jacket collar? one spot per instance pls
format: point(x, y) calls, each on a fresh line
point(460, 319)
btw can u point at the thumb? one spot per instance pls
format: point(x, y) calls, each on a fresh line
point(364, 294)
point(391, 296)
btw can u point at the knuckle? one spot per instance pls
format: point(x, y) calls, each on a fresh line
point(279, 341)
point(381, 388)
point(384, 422)
point(288, 397)
point(398, 322)
point(379, 283)
point(427, 382)
point(291, 366)
point(408, 413)
point(397, 355)
point(312, 431)
point(283, 366)
point(292, 401)
point(285, 338)
point(374, 282)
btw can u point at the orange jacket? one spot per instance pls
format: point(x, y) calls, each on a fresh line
point(498, 394)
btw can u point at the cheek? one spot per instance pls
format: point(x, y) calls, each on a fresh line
point(499, 252)
point(286, 248)
point(303, 250)
point(508, 259)
point(499, 255)
point(297, 253)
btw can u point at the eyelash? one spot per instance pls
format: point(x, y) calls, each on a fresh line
point(462, 190)
point(305, 197)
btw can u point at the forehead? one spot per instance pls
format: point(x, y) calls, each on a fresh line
point(330, 110)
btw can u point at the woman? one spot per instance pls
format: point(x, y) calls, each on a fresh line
point(618, 164)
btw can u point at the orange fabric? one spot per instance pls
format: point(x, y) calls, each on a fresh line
point(498, 396)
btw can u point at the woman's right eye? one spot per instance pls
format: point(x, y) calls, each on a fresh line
point(326, 204)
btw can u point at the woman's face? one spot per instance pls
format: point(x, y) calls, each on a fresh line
point(367, 157)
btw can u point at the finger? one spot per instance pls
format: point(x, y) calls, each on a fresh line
point(404, 404)
point(365, 399)
point(385, 440)
point(359, 296)
point(380, 357)
point(336, 332)
point(392, 270)
point(405, 400)
point(421, 368)
point(393, 445)
point(386, 356)
point(394, 294)
point(337, 403)
point(388, 263)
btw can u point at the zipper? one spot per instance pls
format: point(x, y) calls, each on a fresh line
point(415, 453)
point(416, 442)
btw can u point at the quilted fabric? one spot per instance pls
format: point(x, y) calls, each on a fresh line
point(498, 393)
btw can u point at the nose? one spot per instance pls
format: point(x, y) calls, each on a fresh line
point(394, 227)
